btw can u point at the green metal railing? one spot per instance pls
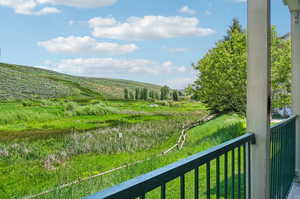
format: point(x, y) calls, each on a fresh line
point(220, 172)
point(283, 146)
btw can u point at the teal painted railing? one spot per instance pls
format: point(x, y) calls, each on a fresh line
point(220, 172)
point(283, 146)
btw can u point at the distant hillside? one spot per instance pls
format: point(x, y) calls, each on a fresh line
point(19, 82)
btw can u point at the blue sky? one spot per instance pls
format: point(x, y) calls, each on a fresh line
point(153, 41)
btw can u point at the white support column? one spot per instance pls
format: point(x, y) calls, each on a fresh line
point(294, 7)
point(258, 94)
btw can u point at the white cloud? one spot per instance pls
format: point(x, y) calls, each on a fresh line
point(187, 10)
point(47, 10)
point(148, 27)
point(84, 45)
point(29, 7)
point(108, 67)
point(80, 3)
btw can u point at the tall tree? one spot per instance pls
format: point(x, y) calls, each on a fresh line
point(145, 94)
point(281, 72)
point(131, 95)
point(234, 27)
point(221, 82)
point(164, 92)
point(126, 94)
point(175, 95)
point(151, 94)
point(137, 93)
point(156, 96)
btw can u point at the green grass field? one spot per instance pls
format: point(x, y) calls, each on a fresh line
point(201, 138)
point(56, 129)
point(46, 143)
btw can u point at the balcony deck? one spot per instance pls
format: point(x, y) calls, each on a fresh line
point(295, 191)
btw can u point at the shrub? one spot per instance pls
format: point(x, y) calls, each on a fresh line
point(73, 109)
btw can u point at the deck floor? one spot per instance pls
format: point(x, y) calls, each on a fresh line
point(295, 191)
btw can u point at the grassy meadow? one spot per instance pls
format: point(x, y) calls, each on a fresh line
point(24, 82)
point(46, 143)
point(57, 129)
point(200, 138)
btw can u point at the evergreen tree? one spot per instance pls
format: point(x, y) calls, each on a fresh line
point(234, 27)
point(175, 95)
point(156, 96)
point(126, 94)
point(144, 94)
point(131, 95)
point(137, 93)
point(151, 94)
point(164, 92)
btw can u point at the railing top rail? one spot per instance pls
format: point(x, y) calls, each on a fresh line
point(147, 182)
point(284, 122)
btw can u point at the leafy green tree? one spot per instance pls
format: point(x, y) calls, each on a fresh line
point(221, 82)
point(156, 96)
point(281, 72)
point(144, 94)
point(235, 27)
point(151, 94)
point(180, 93)
point(131, 95)
point(164, 92)
point(191, 90)
point(137, 94)
point(175, 95)
point(126, 94)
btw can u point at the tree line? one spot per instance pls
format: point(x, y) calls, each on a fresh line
point(145, 94)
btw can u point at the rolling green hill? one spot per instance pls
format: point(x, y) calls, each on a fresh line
point(21, 82)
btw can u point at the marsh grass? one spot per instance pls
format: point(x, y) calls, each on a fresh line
point(41, 153)
point(73, 109)
point(201, 138)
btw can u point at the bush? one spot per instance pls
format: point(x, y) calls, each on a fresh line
point(26, 103)
point(73, 109)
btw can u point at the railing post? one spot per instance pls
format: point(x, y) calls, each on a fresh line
point(258, 95)
point(294, 7)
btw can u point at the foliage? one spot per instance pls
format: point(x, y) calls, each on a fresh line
point(137, 94)
point(164, 92)
point(144, 94)
point(175, 95)
point(281, 72)
point(131, 95)
point(222, 78)
point(199, 139)
point(73, 109)
point(126, 94)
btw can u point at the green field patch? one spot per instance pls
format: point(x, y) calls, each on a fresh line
point(41, 151)
point(200, 138)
